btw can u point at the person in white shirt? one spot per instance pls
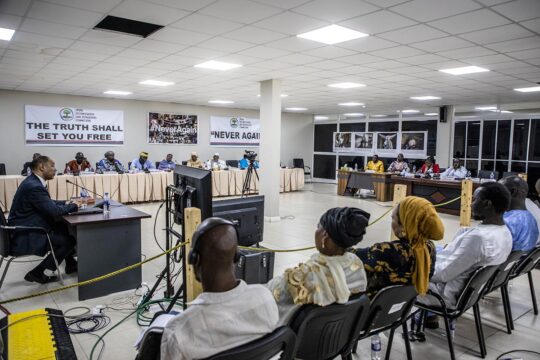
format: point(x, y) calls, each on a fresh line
point(489, 243)
point(228, 313)
point(456, 171)
point(215, 163)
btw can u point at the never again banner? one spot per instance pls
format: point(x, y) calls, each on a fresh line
point(70, 126)
point(234, 131)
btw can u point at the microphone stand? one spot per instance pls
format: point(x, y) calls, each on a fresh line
point(84, 188)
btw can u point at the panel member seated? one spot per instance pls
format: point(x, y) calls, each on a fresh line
point(456, 171)
point(244, 163)
point(216, 163)
point(109, 163)
point(167, 164)
point(32, 206)
point(430, 167)
point(78, 165)
point(399, 165)
point(194, 161)
point(229, 312)
point(142, 163)
point(375, 164)
point(27, 167)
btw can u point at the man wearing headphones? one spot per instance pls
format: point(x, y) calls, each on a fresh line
point(229, 312)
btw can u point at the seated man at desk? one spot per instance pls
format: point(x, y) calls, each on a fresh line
point(142, 163)
point(167, 164)
point(109, 163)
point(216, 163)
point(229, 312)
point(375, 164)
point(456, 171)
point(399, 165)
point(194, 161)
point(27, 167)
point(78, 165)
point(33, 206)
point(244, 163)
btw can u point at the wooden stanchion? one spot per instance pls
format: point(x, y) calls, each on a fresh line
point(466, 200)
point(400, 193)
point(192, 219)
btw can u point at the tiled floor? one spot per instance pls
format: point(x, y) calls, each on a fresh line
point(294, 232)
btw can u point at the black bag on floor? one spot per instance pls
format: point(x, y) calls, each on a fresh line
point(255, 267)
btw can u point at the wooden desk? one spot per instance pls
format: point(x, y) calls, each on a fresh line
point(380, 183)
point(106, 244)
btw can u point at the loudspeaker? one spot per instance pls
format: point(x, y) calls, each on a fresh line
point(443, 114)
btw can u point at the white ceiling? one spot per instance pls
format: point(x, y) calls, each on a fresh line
point(55, 50)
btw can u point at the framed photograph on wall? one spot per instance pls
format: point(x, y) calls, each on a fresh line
point(363, 143)
point(387, 143)
point(343, 141)
point(169, 128)
point(414, 144)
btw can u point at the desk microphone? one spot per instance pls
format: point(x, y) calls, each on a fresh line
point(82, 187)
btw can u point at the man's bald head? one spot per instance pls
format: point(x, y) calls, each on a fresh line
point(517, 186)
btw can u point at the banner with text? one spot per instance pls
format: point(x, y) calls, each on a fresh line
point(69, 126)
point(234, 131)
point(166, 128)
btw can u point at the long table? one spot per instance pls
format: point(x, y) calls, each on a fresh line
point(380, 183)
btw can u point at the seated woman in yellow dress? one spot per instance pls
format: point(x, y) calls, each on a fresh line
point(375, 164)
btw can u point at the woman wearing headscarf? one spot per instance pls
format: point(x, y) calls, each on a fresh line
point(411, 258)
point(332, 274)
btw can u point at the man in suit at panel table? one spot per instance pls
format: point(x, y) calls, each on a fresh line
point(33, 206)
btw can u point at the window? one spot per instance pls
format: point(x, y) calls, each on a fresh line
point(325, 167)
point(384, 126)
point(473, 139)
point(427, 125)
point(324, 137)
point(459, 139)
point(488, 140)
point(351, 161)
point(352, 127)
point(534, 144)
point(503, 139)
point(520, 139)
point(488, 165)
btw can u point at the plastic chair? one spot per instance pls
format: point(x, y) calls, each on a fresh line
point(184, 163)
point(486, 174)
point(324, 332)
point(525, 266)
point(299, 164)
point(232, 163)
point(388, 310)
point(473, 290)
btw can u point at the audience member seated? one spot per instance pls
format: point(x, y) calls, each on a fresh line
point(167, 164)
point(331, 275)
point(80, 164)
point(27, 167)
point(109, 163)
point(244, 163)
point(456, 171)
point(228, 313)
point(215, 163)
point(411, 258)
point(399, 165)
point(534, 208)
point(520, 221)
point(430, 167)
point(32, 206)
point(194, 161)
point(488, 243)
point(142, 163)
point(375, 164)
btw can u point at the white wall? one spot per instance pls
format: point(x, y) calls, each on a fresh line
point(296, 131)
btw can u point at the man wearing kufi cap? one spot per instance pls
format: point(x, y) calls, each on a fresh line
point(215, 163)
point(109, 163)
point(194, 161)
point(142, 163)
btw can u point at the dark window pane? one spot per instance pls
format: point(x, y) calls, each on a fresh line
point(383, 126)
point(459, 139)
point(352, 127)
point(534, 145)
point(351, 161)
point(519, 147)
point(324, 137)
point(472, 166)
point(533, 174)
point(518, 167)
point(488, 165)
point(501, 166)
point(425, 125)
point(488, 140)
point(324, 167)
point(473, 139)
point(503, 139)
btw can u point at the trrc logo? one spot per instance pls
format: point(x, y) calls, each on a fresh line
point(67, 114)
point(234, 123)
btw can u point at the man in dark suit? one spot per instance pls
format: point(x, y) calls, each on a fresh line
point(32, 206)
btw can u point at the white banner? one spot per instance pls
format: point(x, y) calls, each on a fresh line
point(234, 131)
point(68, 126)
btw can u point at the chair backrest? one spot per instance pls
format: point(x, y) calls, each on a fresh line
point(475, 287)
point(527, 262)
point(323, 332)
point(502, 274)
point(129, 164)
point(232, 163)
point(150, 345)
point(298, 163)
point(509, 173)
point(97, 165)
point(184, 162)
point(389, 308)
point(157, 164)
point(2, 169)
point(486, 174)
point(4, 236)
point(281, 340)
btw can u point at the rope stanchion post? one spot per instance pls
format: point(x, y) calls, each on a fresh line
point(400, 193)
point(466, 200)
point(192, 219)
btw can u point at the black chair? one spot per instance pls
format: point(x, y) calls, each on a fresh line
point(184, 163)
point(129, 165)
point(389, 309)
point(324, 332)
point(473, 290)
point(486, 174)
point(500, 281)
point(150, 345)
point(232, 163)
point(157, 164)
point(525, 266)
point(299, 164)
point(97, 165)
point(2, 169)
point(509, 173)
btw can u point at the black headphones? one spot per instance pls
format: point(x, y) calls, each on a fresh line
point(204, 227)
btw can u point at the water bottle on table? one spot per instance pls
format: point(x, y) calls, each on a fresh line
point(492, 176)
point(376, 347)
point(106, 204)
point(84, 199)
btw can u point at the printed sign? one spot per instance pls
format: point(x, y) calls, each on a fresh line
point(234, 131)
point(166, 128)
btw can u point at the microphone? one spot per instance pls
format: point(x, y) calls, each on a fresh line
point(82, 187)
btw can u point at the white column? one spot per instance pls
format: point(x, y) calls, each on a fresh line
point(445, 138)
point(270, 148)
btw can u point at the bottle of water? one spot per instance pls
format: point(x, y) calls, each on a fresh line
point(84, 198)
point(376, 347)
point(106, 204)
point(414, 168)
point(29, 171)
point(355, 167)
point(492, 176)
point(468, 174)
point(452, 328)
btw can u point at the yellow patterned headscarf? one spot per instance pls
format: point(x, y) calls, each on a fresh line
point(421, 223)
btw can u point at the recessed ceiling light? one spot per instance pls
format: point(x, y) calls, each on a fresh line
point(354, 114)
point(296, 109)
point(352, 103)
point(346, 85)
point(282, 95)
point(409, 111)
point(528, 89)
point(320, 117)
point(484, 108)
point(217, 65)
point(332, 34)
point(431, 114)
point(506, 112)
point(6, 34)
point(378, 115)
point(156, 83)
point(220, 102)
point(427, 97)
point(464, 70)
point(117, 92)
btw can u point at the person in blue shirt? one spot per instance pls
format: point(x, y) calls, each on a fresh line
point(518, 219)
point(167, 164)
point(244, 163)
point(142, 163)
point(109, 163)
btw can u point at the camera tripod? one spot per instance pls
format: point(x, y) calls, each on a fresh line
point(246, 188)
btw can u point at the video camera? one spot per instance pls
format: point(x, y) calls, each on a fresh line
point(251, 155)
